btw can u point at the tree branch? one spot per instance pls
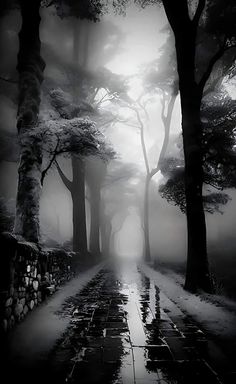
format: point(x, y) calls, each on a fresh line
point(198, 13)
point(65, 180)
point(166, 121)
point(143, 141)
point(212, 63)
point(55, 153)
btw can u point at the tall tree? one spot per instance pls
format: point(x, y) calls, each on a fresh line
point(219, 167)
point(141, 115)
point(30, 68)
point(95, 173)
point(185, 28)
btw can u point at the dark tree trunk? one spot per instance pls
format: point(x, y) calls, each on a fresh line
point(94, 239)
point(78, 200)
point(147, 252)
point(30, 68)
point(185, 30)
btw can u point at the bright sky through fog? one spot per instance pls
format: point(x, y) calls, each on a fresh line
point(143, 38)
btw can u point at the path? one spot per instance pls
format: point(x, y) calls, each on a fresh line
point(123, 330)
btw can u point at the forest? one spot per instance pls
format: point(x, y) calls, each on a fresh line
point(118, 145)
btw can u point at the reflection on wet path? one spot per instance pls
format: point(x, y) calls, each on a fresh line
point(120, 333)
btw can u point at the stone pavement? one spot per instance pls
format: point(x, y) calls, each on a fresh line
point(124, 330)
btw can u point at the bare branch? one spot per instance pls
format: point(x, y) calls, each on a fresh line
point(103, 99)
point(166, 121)
point(143, 141)
point(55, 153)
point(65, 180)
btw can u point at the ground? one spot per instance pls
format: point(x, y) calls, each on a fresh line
point(123, 323)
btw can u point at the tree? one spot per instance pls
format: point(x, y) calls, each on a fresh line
point(185, 29)
point(118, 194)
point(30, 68)
point(219, 165)
point(95, 174)
point(139, 107)
point(90, 87)
point(74, 138)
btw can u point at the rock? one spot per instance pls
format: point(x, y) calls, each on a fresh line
point(31, 304)
point(35, 285)
point(28, 268)
point(46, 277)
point(22, 301)
point(26, 281)
point(51, 289)
point(18, 309)
point(39, 294)
point(11, 322)
point(11, 291)
point(9, 302)
point(39, 277)
point(36, 302)
point(25, 310)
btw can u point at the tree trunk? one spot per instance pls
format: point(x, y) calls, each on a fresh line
point(78, 167)
point(30, 68)
point(78, 200)
point(185, 31)
point(147, 252)
point(94, 240)
point(106, 228)
point(197, 273)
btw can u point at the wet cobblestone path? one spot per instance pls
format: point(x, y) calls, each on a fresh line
point(122, 331)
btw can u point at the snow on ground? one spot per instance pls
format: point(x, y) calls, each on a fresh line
point(38, 333)
point(215, 318)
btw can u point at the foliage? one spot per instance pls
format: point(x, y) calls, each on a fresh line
point(161, 75)
point(219, 156)
point(77, 137)
point(173, 192)
point(83, 9)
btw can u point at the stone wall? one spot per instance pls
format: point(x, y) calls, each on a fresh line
point(28, 274)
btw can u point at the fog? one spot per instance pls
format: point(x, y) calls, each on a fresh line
point(128, 44)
